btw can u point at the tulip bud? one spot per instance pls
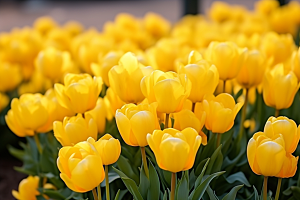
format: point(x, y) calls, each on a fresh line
point(280, 88)
point(27, 188)
point(287, 128)
point(135, 122)
point(28, 115)
point(125, 78)
point(227, 57)
point(266, 156)
point(168, 89)
point(109, 149)
point(171, 143)
point(79, 92)
point(86, 171)
point(75, 129)
point(10, 76)
point(203, 76)
point(4, 100)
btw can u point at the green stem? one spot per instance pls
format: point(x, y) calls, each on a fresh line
point(265, 187)
point(167, 120)
point(243, 117)
point(99, 192)
point(173, 184)
point(193, 107)
point(145, 161)
point(276, 113)
point(94, 194)
point(38, 144)
point(107, 183)
point(278, 188)
point(219, 135)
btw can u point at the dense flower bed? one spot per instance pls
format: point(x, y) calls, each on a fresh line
point(206, 108)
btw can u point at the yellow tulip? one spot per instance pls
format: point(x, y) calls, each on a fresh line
point(289, 167)
point(112, 102)
point(28, 115)
point(220, 11)
point(186, 118)
point(279, 87)
point(10, 76)
point(125, 78)
point(156, 25)
point(44, 25)
point(73, 28)
point(27, 189)
point(253, 69)
point(171, 143)
point(106, 62)
point(53, 63)
point(80, 166)
point(287, 128)
point(59, 39)
point(168, 89)
point(4, 100)
point(227, 57)
point(266, 156)
point(79, 92)
point(295, 63)
point(135, 122)
point(220, 112)
point(109, 149)
point(75, 129)
point(204, 78)
point(99, 114)
point(266, 7)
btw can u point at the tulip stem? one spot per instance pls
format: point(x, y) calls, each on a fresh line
point(94, 194)
point(145, 161)
point(243, 117)
point(38, 144)
point(173, 184)
point(218, 139)
point(167, 120)
point(278, 188)
point(276, 113)
point(193, 107)
point(107, 183)
point(99, 192)
point(265, 187)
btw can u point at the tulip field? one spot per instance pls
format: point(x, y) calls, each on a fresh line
point(145, 109)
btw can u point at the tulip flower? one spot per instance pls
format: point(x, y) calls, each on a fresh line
point(86, 171)
point(289, 167)
point(156, 25)
point(135, 122)
point(266, 156)
point(287, 128)
point(4, 100)
point(295, 63)
point(10, 76)
point(279, 88)
point(168, 89)
point(171, 143)
point(79, 92)
point(125, 78)
point(203, 76)
point(265, 7)
point(75, 129)
point(99, 114)
point(28, 115)
point(112, 103)
point(44, 24)
point(27, 188)
point(227, 57)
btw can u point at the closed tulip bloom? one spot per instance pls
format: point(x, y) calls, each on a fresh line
point(287, 128)
point(168, 89)
point(227, 57)
point(171, 143)
point(10, 76)
point(186, 118)
point(289, 167)
point(79, 92)
point(125, 78)
point(204, 78)
point(266, 156)
point(28, 115)
point(80, 166)
point(295, 63)
point(4, 100)
point(135, 122)
point(220, 112)
point(27, 189)
point(279, 88)
point(253, 69)
point(75, 129)
point(99, 114)
point(109, 149)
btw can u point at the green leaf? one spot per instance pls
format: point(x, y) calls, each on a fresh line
point(199, 191)
point(199, 179)
point(111, 177)
point(16, 152)
point(211, 194)
point(154, 189)
point(53, 194)
point(165, 195)
point(238, 177)
point(182, 191)
point(200, 167)
point(255, 193)
point(215, 162)
point(144, 183)
point(232, 194)
point(117, 195)
point(126, 168)
point(130, 185)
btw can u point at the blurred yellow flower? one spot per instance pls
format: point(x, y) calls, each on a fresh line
point(10, 76)
point(4, 100)
point(27, 189)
